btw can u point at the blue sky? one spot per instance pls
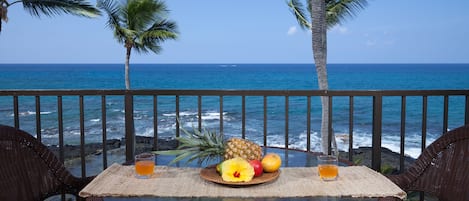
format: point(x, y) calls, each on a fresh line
point(252, 31)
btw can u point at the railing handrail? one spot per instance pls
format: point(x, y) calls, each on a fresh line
point(232, 92)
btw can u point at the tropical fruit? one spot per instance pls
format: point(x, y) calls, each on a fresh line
point(218, 168)
point(258, 169)
point(271, 162)
point(237, 147)
point(205, 145)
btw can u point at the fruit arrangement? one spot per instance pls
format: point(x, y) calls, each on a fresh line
point(239, 169)
point(242, 159)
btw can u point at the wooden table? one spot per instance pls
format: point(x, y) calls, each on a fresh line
point(298, 180)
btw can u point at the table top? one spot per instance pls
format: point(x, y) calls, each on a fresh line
point(298, 180)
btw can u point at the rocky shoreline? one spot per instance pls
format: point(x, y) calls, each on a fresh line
point(142, 144)
point(389, 160)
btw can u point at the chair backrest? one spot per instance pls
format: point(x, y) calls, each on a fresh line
point(442, 169)
point(30, 171)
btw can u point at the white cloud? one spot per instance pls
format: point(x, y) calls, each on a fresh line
point(343, 30)
point(370, 43)
point(379, 38)
point(340, 29)
point(292, 30)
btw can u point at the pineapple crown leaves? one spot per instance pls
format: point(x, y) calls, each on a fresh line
point(197, 145)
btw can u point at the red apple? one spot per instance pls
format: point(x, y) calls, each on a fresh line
point(257, 165)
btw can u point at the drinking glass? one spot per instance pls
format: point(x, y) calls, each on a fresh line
point(144, 165)
point(328, 167)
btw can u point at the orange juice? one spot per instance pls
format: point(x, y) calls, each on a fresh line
point(328, 172)
point(144, 167)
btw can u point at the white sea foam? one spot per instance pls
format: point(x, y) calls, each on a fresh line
point(232, 127)
point(28, 113)
point(392, 142)
point(148, 132)
point(214, 116)
point(205, 116)
point(181, 114)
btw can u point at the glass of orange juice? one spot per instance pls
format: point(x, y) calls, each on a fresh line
point(328, 167)
point(144, 165)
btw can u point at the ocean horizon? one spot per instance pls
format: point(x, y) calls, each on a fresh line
point(234, 77)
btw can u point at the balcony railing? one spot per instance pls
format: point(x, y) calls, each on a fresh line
point(14, 101)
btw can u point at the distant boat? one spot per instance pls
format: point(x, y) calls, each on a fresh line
point(226, 65)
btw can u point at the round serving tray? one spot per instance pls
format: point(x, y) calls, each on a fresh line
point(210, 174)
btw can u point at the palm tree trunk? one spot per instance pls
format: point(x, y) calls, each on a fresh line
point(319, 38)
point(127, 61)
point(129, 109)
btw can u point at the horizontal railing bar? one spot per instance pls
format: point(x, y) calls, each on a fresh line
point(42, 92)
point(168, 92)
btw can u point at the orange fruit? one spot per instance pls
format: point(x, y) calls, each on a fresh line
point(271, 162)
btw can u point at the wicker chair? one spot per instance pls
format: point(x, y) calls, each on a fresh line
point(30, 171)
point(442, 169)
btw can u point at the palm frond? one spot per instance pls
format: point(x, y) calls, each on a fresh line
point(159, 32)
point(200, 145)
point(297, 8)
point(339, 10)
point(141, 14)
point(139, 24)
point(114, 22)
point(57, 7)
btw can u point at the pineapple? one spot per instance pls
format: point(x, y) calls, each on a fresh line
point(237, 147)
point(206, 145)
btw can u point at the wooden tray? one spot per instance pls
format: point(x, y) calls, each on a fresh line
point(210, 174)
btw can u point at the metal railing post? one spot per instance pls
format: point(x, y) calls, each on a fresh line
point(129, 127)
point(330, 142)
point(466, 113)
point(16, 112)
point(377, 129)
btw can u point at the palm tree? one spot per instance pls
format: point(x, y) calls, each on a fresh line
point(138, 24)
point(50, 8)
point(324, 14)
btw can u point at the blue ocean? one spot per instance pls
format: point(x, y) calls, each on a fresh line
point(236, 76)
